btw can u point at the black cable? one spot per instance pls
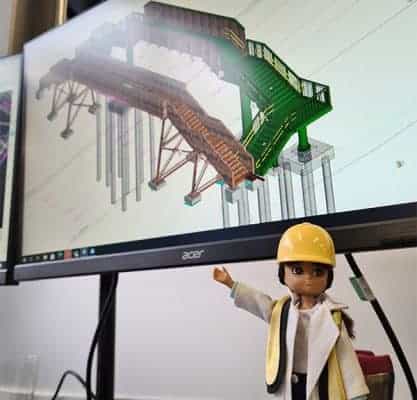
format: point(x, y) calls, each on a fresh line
point(61, 382)
point(103, 318)
point(76, 7)
point(388, 330)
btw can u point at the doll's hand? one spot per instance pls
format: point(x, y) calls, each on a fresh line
point(221, 275)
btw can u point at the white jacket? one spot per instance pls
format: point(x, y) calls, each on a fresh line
point(323, 335)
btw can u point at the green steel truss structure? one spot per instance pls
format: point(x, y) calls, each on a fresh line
point(286, 103)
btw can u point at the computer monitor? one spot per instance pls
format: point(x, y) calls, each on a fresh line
point(161, 136)
point(10, 86)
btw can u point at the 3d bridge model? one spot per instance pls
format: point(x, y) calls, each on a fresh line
point(5, 120)
point(286, 103)
point(5, 109)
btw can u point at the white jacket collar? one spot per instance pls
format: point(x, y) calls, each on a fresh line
point(323, 298)
point(332, 304)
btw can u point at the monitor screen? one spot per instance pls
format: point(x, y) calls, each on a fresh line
point(149, 121)
point(10, 86)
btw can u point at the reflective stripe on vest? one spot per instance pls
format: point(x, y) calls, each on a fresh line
point(276, 352)
point(336, 386)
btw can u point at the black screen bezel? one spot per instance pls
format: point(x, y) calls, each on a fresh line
point(7, 266)
point(371, 229)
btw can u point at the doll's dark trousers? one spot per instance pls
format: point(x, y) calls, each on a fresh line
point(298, 386)
point(299, 383)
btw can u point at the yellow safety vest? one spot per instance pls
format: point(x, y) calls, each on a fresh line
point(276, 352)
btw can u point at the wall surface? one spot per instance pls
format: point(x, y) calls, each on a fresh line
point(5, 13)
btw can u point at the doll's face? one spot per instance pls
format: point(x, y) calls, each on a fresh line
point(306, 278)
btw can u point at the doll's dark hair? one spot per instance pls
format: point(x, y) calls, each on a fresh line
point(347, 320)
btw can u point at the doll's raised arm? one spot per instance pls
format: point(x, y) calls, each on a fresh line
point(245, 297)
point(253, 301)
point(222, 275)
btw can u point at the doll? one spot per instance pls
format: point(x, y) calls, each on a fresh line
point(309, 353)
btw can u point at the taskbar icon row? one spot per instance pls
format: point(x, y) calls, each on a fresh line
point(59, 255)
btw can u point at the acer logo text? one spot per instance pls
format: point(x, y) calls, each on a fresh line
point(192, 255)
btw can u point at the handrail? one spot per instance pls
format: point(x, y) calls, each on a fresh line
point(209, 144)
point(302, 86)
point(229, 33)
point(263, 51)
point(257, 122)
point(262, 115)
point(315, 90)
point(287, 122)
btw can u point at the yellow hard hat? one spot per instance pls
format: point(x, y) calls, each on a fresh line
point(306, 242)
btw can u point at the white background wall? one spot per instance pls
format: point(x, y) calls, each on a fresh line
point(5, 11)
point(178, 333)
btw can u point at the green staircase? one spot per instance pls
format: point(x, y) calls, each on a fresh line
point(292, 103)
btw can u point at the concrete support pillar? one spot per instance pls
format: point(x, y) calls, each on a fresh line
point(282, 193)
point(328, 185)
point(289, 190)
point(243, 206)
point(152, 151)
point(113, 158)
point(264, 202)
point(225, 207)
point(304, 163)
point(267, 200)
point(99, 133)
point(108, 142)
point(125, 159)
point(312, 193)
point(138, 128)
point(309, 196)
point(119, 147)
point(139, 153)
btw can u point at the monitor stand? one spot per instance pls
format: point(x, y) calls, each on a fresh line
point(106, 343)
